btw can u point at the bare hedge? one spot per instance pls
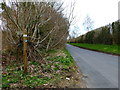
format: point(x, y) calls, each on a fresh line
point(109, 34)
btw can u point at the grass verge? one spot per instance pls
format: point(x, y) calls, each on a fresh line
point(58, 70)
point(113, 49)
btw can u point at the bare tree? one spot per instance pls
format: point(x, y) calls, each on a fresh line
point(43, 22)
point(88, 23)
point(46, 26)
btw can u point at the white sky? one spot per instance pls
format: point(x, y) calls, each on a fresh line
point(102, 12)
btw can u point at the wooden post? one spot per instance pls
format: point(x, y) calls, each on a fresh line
point(25, 51)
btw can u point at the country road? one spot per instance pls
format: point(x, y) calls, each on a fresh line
point(101, 70)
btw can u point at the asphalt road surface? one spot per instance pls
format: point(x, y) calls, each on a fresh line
point(100, 70)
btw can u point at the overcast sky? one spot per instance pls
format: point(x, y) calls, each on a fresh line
point(102, 12)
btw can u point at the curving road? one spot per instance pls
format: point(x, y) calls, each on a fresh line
point(100, 70)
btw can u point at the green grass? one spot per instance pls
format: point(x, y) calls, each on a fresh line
point(17, 77)
point(100, 47)
point(65, 61)
point(57, 68)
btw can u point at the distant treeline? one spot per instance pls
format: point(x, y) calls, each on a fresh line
point(109, 34)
